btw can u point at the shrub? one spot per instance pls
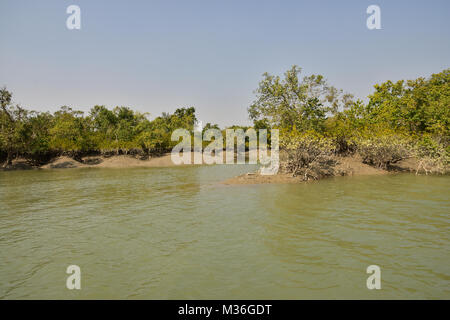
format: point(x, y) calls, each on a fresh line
point(344, 146)
point(382, 151)
point(433, 156)
point(308, 156)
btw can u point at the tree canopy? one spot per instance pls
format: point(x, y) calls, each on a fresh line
point(418, 109)
point(38, 135)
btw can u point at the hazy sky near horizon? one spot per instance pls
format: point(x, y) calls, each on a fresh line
point(155, 56)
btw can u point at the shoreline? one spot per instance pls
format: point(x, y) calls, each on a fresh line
point(110, 161)
point(346, 166)
point(116, 161)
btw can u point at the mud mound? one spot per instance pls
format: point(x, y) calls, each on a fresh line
point(63, 163)
point(17, 164)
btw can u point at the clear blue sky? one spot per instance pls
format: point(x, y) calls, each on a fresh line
point(156, 56)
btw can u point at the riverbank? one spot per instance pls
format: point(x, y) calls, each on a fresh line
point(119, 161)
point(112, 161)
point(346, 166)
point(115, 161)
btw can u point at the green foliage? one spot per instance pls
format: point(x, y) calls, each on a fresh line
point(419, 106)
point(427, 146)
point(71, 131)
point(433, 155)
point(38, 136)
point(308, 155)
point(285, 103)
point(401, 119)
point(382, 151)
point(12, 126)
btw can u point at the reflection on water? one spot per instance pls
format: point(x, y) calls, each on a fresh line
point(177, 233)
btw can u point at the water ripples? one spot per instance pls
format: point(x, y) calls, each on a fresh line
point(176, 233)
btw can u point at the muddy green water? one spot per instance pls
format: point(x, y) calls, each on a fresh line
point(177, 233)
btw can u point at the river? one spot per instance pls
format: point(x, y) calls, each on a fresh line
point(178, 233)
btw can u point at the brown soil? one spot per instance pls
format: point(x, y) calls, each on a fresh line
point(346, 166)
point(256, 178)
point(406, 165)
point(63, 163)
point(122, 161)
point(129, 161)
point(353, 166)
point(17, 164)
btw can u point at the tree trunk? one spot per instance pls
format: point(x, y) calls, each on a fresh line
point(9, 159)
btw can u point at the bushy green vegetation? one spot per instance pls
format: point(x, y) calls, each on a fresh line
point(316, 121)
point(403, 119)
point(309, 155)
point(38, 136)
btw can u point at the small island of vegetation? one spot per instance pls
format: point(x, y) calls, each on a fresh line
point(319, 126)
